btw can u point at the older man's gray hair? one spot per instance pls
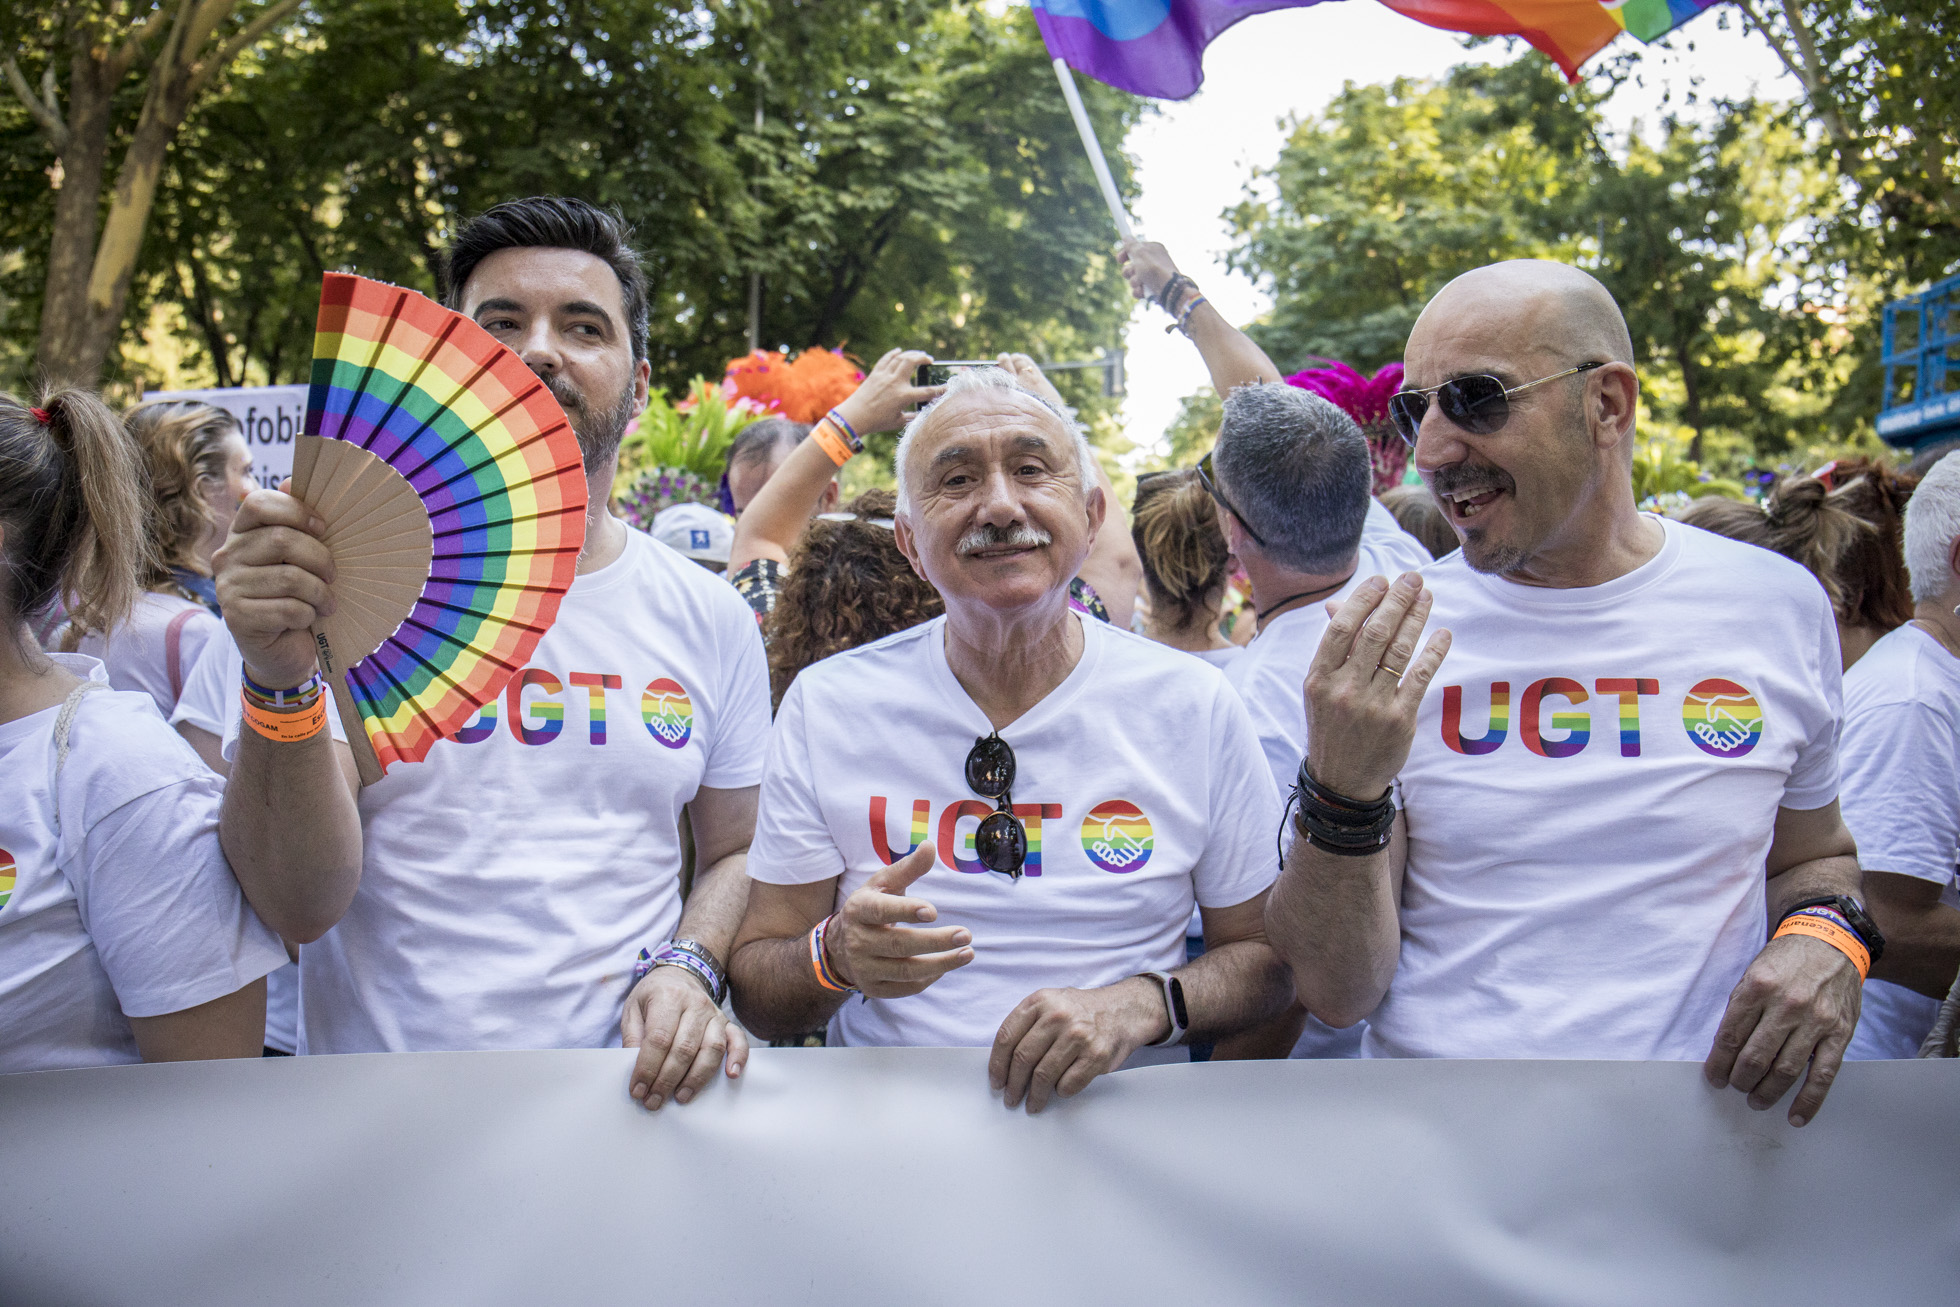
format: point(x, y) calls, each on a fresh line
point(1298, 469)
point(984, 379)
point(1932, 521)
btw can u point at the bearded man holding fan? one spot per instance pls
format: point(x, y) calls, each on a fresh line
point(1646, 859)
point(989, 830)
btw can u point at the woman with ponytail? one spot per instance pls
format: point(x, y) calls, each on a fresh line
point(1185, 564)
point(123, 935)
point(1843, 523)
point(197, 470)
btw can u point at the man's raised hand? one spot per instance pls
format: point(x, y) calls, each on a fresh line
point(1366, 684)
point(873, 948)
point(882, 399)
point(682, 1037)
point(1148, 268)
point(273, 573)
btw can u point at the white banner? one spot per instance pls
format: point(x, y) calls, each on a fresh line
point(270, 417)
point(875, 1176)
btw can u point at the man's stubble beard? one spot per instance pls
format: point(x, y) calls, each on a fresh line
point(599, 434)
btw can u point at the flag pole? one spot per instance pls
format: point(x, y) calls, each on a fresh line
point(1094, 150)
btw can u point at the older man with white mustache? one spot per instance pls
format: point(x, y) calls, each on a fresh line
point(990, 829)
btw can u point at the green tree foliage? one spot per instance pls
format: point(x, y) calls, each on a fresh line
point(915, 179)
point(1706, 231)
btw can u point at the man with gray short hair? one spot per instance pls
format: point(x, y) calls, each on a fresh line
point(990, 829)
point(1291, 475)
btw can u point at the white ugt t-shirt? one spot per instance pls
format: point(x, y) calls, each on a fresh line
point(1591, 797)
point(1901, 795)
point(1137, 777)
point(511, 877)
point(130, 910)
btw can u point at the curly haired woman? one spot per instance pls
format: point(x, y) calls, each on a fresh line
point(846, 585)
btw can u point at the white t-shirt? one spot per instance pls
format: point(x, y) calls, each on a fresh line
point(1138, 779)
point(1272, 676)
point(131, 911)
point(1220, 658)
point(510, 879)
point(1901, 797)
point(1591, 796)
point(137, 653)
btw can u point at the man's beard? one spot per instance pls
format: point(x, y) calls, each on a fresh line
point(1484, 556)
point(598, 432)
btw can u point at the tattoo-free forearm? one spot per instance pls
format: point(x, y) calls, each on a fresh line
point(1819, 876)
point(774, 520)
point(1229, 354)
point(776, 991)
point(1335, 921)
point(1234, 987)
point(292, 833)
point(714, 910)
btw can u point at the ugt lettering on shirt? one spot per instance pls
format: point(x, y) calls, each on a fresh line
point(1116, 835)
point(1590, 797)
point(1556, 715)
point(536, 702)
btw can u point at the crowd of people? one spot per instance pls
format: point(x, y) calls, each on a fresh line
point(1494, 765)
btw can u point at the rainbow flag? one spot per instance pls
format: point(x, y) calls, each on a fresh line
point(1156, 47)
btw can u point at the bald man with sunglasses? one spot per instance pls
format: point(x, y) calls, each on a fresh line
point(1595, 814)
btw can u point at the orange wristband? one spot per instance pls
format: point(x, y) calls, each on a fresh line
point(286, 727)
point(1821, 924)
point(832, 443)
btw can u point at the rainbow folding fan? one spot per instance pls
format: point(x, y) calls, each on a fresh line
point(454, 496)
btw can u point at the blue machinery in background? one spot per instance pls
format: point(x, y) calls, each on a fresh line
point(1922, 367)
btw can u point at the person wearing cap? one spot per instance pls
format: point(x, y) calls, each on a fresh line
point(695, 531)
point(989, 829)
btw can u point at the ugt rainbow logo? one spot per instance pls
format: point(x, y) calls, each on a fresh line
point(1722, 718)
point(1117, 836)
point(668, 712)
point(6, 877)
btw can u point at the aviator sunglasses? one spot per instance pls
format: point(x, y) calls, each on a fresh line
point(1479, 404)
point(1002, 841)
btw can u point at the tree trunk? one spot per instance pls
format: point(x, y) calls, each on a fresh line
point(60, 351)
point(89, 277)
point(1691, 403)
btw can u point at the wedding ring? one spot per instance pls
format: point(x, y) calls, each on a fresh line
point(1396, 672)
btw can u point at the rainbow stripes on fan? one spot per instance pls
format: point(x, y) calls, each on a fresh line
point(494, 461)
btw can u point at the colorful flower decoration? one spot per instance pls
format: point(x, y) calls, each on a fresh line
point(802, 389)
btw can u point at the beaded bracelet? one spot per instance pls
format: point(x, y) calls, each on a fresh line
point(285, 727)
point(820, 963)
point(1833, 929)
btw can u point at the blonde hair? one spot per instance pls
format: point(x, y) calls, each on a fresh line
point(71, 503)
point(183, 442)
point(1181, 545)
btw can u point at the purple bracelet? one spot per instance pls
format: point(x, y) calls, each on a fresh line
point(688, 962)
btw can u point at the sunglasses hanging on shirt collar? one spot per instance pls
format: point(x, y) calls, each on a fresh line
point(1002, 841)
